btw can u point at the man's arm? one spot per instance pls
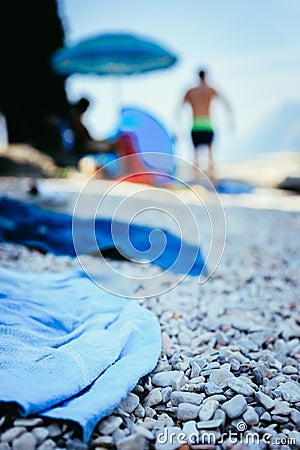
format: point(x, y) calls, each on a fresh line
point(228, 108)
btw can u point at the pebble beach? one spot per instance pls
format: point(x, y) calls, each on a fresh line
point(228, 375)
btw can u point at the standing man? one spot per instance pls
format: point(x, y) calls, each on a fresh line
point(200, 98)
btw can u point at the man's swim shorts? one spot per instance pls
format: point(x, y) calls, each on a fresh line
point(202, 131)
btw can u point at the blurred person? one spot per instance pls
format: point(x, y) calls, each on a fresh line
point(200, 98)
point(97, 154)
point(83, 142)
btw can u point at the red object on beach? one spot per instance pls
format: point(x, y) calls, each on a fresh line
point(135, 170)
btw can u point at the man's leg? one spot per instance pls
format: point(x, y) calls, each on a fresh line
point(211, 165)
point(196, 166)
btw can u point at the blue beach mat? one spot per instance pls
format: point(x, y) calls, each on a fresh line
point(68, 349)
point(50, 231)
point(228, 186)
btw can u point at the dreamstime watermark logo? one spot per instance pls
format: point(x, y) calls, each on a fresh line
point(168, 222)
point(172, 436)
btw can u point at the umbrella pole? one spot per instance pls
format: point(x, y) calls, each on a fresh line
point(118, 93)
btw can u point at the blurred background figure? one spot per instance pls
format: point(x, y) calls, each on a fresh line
point(83, 142)
point(200, 99)
point(81, 135)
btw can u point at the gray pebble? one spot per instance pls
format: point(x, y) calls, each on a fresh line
point(76, 444)
point(218, 397)
point(178, 397)
point(164, 421)
point(218, 376)
point(197, 380)
point(49, 444)
point(250, 416)
point(166, 394)
point(212, 388)
point(182, 363)
point(240, 387)
point(68, 435)
point(260, 410)
point(4, 446)
point(190, 430)
point(148, 384)
point(220, 414)
point(28, 423)
point(179, 381)
point(281, 407)
point(119, 434)
point(195, 370)
point(143, 431)
point(209, 424)
point(129, 424)
point(290, 391)
point(164, 379)
point(139, 411)
point(138, 389)
point(120, 412)
point(222, 338)
point(54, 430)
point(213, 365)
point(132, 442)
point(40, 434)
point(208, 409)
point(130, 402)
point(150, 412)
point(184, 338)
point(154, 397)
point(109, 425)
point(193, 387)
point(280, 419)
point(235, 407)
point(265, 400)
point(187, 411)
point(12, 433)
point(271, 384)
point(25, 441)
point(266, 417)
point(103, 440)
point(258, 378)
point(235, 364)
point(295, 435)
point(295, 416)
point(161, 366)
point(289, 370)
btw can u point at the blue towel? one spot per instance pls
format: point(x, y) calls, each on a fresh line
point(51, 231)
point(68, 349)
point(228, 186)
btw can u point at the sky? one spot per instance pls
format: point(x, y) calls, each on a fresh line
point(251, 51)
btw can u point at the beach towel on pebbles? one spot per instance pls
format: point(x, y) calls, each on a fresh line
point(51, 231)
point(68, 349)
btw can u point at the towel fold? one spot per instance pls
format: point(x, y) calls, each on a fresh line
point(69, 349)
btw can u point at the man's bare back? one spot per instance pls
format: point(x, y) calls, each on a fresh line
point(200, 98)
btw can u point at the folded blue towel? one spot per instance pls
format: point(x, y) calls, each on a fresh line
point(30, 225)
point(69, 349)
